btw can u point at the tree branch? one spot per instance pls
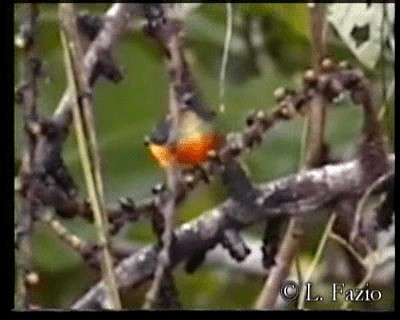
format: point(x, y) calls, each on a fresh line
point(315, 144)
point(115, 23)
point(169, 34)
point(26, 95)
point(297, 194)
point(314, 155)
point(82, 109)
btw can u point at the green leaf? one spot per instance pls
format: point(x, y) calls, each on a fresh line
point(360, 27)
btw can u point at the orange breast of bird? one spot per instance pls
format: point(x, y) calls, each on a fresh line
point(195, 150)
point(189, 152)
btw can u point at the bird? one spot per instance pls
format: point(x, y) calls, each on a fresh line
point(195, 136)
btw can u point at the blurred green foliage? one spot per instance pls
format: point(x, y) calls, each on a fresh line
point(129, 110)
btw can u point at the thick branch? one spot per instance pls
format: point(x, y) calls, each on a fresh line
point(298, 194)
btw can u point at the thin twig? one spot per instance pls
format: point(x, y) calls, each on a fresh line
point(90, 253)
point(316, 259)
point(78, 84)
point(382, 57)
point(300, 277)
point(62, 232)
point(361, 205)
point(169, 214)
point(370, 263)
point(303, 144)
point(228, 37)
point(364, 281)
point(347, 246)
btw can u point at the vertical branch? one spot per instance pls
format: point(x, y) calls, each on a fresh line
point(278, 273)
point(317, 111)
point(319, 30)
point(27, 94)
point(78, 82)
point(173, 43)
point(317, 257)
point(162, 271)
point(313, 157)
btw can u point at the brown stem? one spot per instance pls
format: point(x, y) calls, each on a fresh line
point(27, 93)
point(78, 82)
point(313, 157)
point(317, 112)
point(169, 34)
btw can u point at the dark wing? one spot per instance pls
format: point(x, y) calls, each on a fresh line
point(160, 135)
point(193, 102)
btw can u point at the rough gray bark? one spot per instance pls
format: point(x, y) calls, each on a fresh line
point(297, 194)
